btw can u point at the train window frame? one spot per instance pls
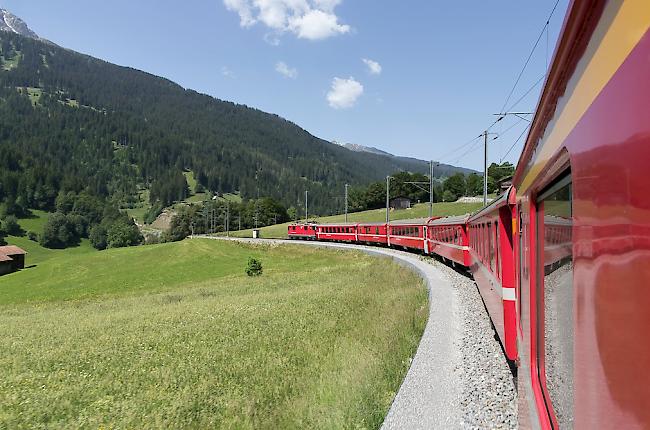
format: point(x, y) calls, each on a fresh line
point(497, 256)
point(485, 243)
point(561, 182)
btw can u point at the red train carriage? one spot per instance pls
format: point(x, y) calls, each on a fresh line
point(409, 234)
point(302, 231)
point(583, 285)
point(491, 262)
point(448, 238)
point(372, 233)
point(337, 232)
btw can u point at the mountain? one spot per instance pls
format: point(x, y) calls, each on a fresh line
point(71, 123)
point(360, 148)
point(11, 23)
point(411, 164)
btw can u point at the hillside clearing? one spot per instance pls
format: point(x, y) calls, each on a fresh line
point(176, 336)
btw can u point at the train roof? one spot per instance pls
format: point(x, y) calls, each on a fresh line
point(502, 200)
point(415, 221)
point(449, 220)
point(339, 224)
point(372, 223)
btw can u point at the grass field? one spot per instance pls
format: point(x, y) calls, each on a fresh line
point(176, 336)
point(378, 215)
point(36, 254)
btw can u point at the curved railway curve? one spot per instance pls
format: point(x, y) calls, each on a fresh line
point(457, 377)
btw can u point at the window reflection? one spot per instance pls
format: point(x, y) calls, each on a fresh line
point(558, 303)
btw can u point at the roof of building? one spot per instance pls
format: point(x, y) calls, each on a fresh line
point(4, 258)
point(11, 250)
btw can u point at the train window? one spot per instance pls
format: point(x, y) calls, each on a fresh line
point(496, 250)
point(482, 241)
point(490, 248)
point(555, 300)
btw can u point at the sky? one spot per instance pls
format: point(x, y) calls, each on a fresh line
point(418, 78)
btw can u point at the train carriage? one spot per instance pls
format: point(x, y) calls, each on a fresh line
point(372, 233)
point(345, 232)
point(583, 231)
point(409, 234)
point(448, 238)
point(491, 263)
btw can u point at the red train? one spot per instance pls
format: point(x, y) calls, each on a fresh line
point(562, 259)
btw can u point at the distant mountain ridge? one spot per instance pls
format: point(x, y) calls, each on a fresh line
point(11, 23)
point(440, 169)
point(72, 123)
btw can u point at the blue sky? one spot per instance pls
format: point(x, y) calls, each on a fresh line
point(446, 67)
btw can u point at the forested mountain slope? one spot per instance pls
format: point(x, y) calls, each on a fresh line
point(70, 122)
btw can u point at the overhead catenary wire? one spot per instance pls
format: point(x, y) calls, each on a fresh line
point(541, 78)
point(446, 155)
point(505, 112)
point(548, 20)
point(499, 134)
point(514, 144)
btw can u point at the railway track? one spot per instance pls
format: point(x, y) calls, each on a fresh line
point(458, 377)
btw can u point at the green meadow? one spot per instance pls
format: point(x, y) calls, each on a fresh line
point(177, 336)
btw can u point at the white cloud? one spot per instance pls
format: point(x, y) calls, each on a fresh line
point(307, 19)
point(374, 68)
point(272, 39)
point(344, 93)
point(286, 71)
point(225, 71)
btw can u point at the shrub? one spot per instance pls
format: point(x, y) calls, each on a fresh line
point(99, 237)
point(448, 196)
point(122, 234)
point(11, 226)
point(32, 235)
point(254, 267)
point(58, 232)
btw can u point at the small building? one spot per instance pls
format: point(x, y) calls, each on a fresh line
point(504, 183)
point(6, 265)
point(400, 203)
point(12, 258)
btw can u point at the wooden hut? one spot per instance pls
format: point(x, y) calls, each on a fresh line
point(12, 258)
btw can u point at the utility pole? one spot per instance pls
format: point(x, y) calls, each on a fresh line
point(228, 218)
point(306, 207)
point(485, 168)
point(346, 202)
point(387, 199)
point(257, 184)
